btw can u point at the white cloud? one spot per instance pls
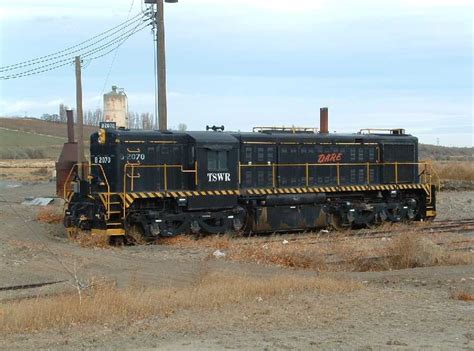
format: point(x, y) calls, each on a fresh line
point(23, 106)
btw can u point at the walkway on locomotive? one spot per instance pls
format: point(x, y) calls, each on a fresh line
point(150, 164)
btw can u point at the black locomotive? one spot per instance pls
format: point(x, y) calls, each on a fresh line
point(273, 179)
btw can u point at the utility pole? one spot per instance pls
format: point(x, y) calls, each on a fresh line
point(161, 66)
point(79, 114)
point(161, 61)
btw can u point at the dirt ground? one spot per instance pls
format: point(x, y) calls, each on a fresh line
point(400, 309)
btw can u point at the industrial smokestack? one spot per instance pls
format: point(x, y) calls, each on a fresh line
point(323, 120)
point(68, 157)
point(70, 126)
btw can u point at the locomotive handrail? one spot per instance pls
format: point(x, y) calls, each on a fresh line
point(285, 129)
point(89, 165)
point(165, 167)
point(67, 181)
point(106, 183)
point(428, 169)
point(397, 131)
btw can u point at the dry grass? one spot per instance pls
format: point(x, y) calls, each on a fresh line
point(106, 304)
point(86, 239)
point(407, 250)
point(294, 256)
point(49, 214)
point(43, 171)
point(455, 170)
point(359, 255)
point(221, 242)
point(410, 250)
point(338, 252)
point(462, 295)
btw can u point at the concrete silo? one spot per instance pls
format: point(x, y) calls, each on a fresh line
point(116, 107)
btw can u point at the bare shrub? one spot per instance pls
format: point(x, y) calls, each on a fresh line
point(295, 256)
point(462, 295)
point(35, 153)
point(87, 239)
point(222, 242)
point(11, 154)
point(455, 170)
point(338, 252)
point(410, 250)
point(49, 214)
point(22, 153)
point(105, 303)
point(43, 171)
point(358, 255)
point(254, 250)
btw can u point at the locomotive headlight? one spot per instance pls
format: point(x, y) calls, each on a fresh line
point(101, 139)
point(182, 202)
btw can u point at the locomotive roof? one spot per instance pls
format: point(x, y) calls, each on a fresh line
point(323, 138)
point(212, 137)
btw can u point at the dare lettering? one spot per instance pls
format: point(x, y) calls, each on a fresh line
point(330, 158)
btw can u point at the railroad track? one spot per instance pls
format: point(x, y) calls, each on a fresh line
point(446, 226)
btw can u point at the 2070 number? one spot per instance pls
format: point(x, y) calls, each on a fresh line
point(135, 157)
point(102, 159)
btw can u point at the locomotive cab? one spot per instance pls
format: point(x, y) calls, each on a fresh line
point(217, 156)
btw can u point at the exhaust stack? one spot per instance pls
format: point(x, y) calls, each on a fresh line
point(68, 157)
point(323, 120)
point(70, 126)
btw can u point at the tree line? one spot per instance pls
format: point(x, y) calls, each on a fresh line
point(136, 120)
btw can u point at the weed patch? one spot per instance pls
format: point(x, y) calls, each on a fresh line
point(49, 214)
point(455, 170)
point(89, 240)
point(105, 303)
point(462, 295)
point(410, 250)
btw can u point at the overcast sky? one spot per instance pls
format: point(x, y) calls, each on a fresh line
point(405, 63)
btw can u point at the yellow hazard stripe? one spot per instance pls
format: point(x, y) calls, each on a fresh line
point(130, 197)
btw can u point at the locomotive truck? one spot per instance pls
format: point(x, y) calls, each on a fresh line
point(158, 184)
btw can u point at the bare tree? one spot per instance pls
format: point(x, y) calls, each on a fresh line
point(50, 118)
point(134, 121)
point(146, 120)
point(182, 127)
point(62, 113)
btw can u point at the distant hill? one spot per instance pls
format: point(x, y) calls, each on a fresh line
point(39, 126)
point(23, 138)
point(438, 153)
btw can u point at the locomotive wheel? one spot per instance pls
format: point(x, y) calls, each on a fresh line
point(135, 235)
point(335, 222)
point(367, 219)
point(195, 227)
point(237, 224)
point(174, 227)
point(117, 240)
point(72, 232)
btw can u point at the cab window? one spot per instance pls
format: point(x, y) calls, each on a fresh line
point(217, 160)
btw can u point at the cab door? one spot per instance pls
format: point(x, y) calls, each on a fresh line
point(218, 167)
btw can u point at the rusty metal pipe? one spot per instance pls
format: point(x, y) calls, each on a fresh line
point(323, 120)
point(70, 126)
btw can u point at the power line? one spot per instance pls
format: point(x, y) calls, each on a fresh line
point(63, 62)
point(107, 76)
point(69, 53)
point(119, 44)
point(126, 23)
